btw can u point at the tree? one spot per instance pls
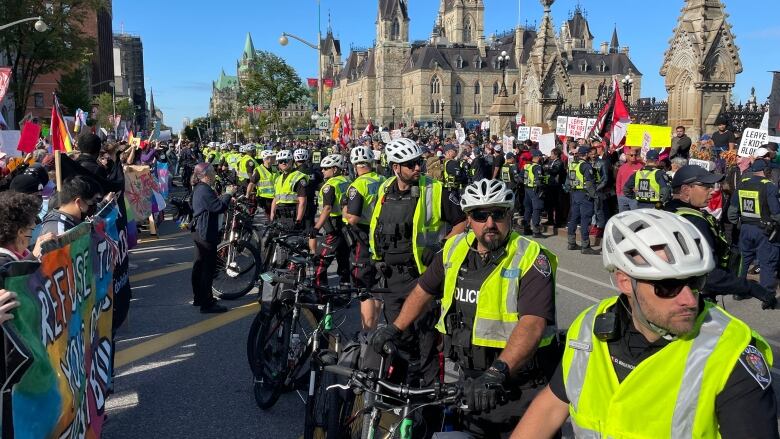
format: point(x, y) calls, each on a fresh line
point(273, 83)
point(31, 54)
point(105, 110)
point(73, 91)
point(190, 132)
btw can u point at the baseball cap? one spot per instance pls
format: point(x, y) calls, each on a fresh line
point(652, 155)
point(695, 174)
point(582, 150)
point(450, 147)
point(26, 184)
point(759, 165)
point(536, 153)
point(509, 155)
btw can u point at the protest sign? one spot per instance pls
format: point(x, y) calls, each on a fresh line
point(165, 135)
point(547, 143)
point(751, 139)
point(58, 346)
point(560, 125)
point(589, 126)
point(535, 133)
point(652, 136)
point(523, 133)
point(142, 192)
point(706, 164)
point(460, 135)
point(31, 132)
point(163, 178)
point(395, 134)
point(385, 137)
point(508, 143)
point(575, 127)
point(8, 141)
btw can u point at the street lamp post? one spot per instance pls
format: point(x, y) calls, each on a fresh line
point(283, 40)
point(360, 108)
point(503, 62)
point(628, 83)
point(40, 25)
point(113, 108)
point(441, 108)
point(392, 123)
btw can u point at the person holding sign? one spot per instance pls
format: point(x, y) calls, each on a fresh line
point(757, 208)
point(648, 186)
point(581, 186)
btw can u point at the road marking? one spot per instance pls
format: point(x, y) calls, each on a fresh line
point(165, 238)
point(157, 344)
point(175, 268)
point(603, 284)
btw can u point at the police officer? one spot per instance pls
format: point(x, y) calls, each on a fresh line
point(757, 209)
point(656, 361)
point(499, 328)
point(290, 192)
point(554, 204)
point(692, 188)
point(410, 219)
point(361, 198)
point(233, 157)
point(330, 223)
point(301, 157)
point(533, 180)
point(602, 169)
point(582, 190)
point(247, 155)
point(648, 186)
point(512, 176)
point(264, 184)
point(455, 177)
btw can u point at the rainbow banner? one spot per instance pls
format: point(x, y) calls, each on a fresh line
point(142, 192)
point(58, 345)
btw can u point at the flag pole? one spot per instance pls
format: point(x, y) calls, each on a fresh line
point(58, 168)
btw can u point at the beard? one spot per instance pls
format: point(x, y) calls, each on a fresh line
point(679, 321)
point(491, 238)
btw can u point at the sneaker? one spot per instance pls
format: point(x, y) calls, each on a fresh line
point(538, 235)
point(213, 309)
point(573, 247)
point(590, 251)
point(526, 231)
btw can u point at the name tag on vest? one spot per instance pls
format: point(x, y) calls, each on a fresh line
point(513, 273)
point(580, 345)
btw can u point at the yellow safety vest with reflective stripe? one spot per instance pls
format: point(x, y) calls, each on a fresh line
point(449, 179)
point(576, 179)
point(265, 185)
point(506, 175)
point(670, 394)
point(497, 313)
point(284, 187)
point(243, 171)
point(751, 194)
point(646, 187)
point(529, 177)
point(427, 229)
point(339, 184)
point(232, 159)
point(367, 185)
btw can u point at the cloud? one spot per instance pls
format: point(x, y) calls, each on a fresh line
point(764, 34)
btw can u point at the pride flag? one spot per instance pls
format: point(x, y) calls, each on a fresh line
point(60, 136)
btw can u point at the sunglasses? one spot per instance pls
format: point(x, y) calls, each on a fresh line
point(412, 164)
point(283, 162)
point(671, 288)
point(481, 216)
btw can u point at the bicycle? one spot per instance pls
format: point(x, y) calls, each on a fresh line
point(238, 260)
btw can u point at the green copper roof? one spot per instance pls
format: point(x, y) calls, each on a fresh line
point(249, 48)
point(226, 81)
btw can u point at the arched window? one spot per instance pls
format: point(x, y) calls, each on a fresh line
point(457, 88)
point(495, 88)
point(475, 107)
point(432, 109)
point(514, 88)
point(436, 105)
point(582, 90)
point(478, 63)
point(395, 30)
point(435, 85)
point(477, 88)
point(468, 30)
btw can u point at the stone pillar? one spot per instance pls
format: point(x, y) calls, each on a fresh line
point(502, 114)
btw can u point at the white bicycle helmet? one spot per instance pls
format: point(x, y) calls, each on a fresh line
point(402, 150)
point(242, 149)
point(632, 238)
point(361, 154)
point(301, 155)
point(333, 161)
point(266, 154)
point(486, 193)
point(283, 155)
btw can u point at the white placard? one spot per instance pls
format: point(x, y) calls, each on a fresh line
point(523, 133)
point(460, 135)
point(9, 139)
point(536, 132)
point(485, 125)
point(395, 134)
point(518, 119)
point(547, 143)
point(751, 140)
point(560, 125)
point(385, 137)
point(508, 143)
point(589, 126)
point(708, 165)
point(576, 127)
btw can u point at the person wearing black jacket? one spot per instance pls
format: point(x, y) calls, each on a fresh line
point(206, 206)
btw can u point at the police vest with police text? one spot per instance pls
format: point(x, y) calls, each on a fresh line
point(339, 185)
point(497, 311)
point(751, 194)
point(427, 225)
point(576, 178)
point(646, 186)
point(529, 178)
point(670, 394)
point(265, 185)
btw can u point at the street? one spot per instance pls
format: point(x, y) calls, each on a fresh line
point(180, 373)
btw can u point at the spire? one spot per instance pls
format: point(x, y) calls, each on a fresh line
point(151, 102)
point(614, 45)
point(249, 48)
point(330, 28)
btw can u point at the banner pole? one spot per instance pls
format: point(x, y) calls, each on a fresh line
point(58, 168)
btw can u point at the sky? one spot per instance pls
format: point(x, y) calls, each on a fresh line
point(187, 43)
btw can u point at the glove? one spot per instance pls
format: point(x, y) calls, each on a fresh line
point(382, 335)
point(312, 233)
point(298, 226)
point(482, 393)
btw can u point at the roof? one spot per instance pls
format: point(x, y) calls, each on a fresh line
point(424, 57)
point(389, 9)
point(249, 47)
point(578, 26)
point(330, 45)
point(616, 63)
point(614, 44)
point(353, 70)
point(225, 81)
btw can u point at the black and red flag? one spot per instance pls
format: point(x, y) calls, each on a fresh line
point(612, 121)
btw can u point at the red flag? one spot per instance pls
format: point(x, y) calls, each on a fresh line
point(346, 132)
point(613, 119)
point(28, 140)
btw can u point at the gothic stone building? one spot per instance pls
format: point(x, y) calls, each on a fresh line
point(457, 74)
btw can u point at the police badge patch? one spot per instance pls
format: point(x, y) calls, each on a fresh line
point(352, 193)
point(326, 189)
point(542, 265)
point(756, 366)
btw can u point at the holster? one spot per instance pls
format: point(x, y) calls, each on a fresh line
point(349, 235)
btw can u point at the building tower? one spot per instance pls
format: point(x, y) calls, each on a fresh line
point(700, 66)
point(392, 50)
point(463, 21)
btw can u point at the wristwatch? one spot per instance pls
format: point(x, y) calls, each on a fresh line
point(501, 367)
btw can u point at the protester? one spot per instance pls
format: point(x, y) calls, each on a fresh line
point(80, 197)
point(18, 218)
point(681, 144)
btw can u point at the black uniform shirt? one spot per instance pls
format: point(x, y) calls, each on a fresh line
point(745, 408)
point(450, 206)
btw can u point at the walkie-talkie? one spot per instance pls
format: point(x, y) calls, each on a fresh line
point(607, 326)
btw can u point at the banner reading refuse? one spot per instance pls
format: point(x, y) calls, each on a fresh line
point(58, 346)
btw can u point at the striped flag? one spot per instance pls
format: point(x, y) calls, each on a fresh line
point(60, 136)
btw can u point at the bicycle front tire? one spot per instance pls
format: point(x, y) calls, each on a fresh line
point(232, 282)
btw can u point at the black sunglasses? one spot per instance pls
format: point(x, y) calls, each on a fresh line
point(283, 162)
point(481, 216)
point(671, 288)
point(411, 164)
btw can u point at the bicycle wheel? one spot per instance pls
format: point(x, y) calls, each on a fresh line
point(237, 278)
point(340, 407)
point(267, 352)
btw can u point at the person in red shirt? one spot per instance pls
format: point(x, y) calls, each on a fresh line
point(633, 163)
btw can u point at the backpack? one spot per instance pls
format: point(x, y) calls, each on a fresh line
point(434, 168)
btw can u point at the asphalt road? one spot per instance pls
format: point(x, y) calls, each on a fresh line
point(183, 374)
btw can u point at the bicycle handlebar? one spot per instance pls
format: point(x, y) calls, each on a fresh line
point(366, 382)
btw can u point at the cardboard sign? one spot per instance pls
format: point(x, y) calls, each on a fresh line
point(560, 125)
point(751, 139)
point(547, 143)
point(385, 137)
point(535, 133)
point(523, 133)
point(708, 165)
point(575, 127)
point(652, 136)
point(460, 135)
point(8, 141)
point(589, 126)
point(395, 134)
